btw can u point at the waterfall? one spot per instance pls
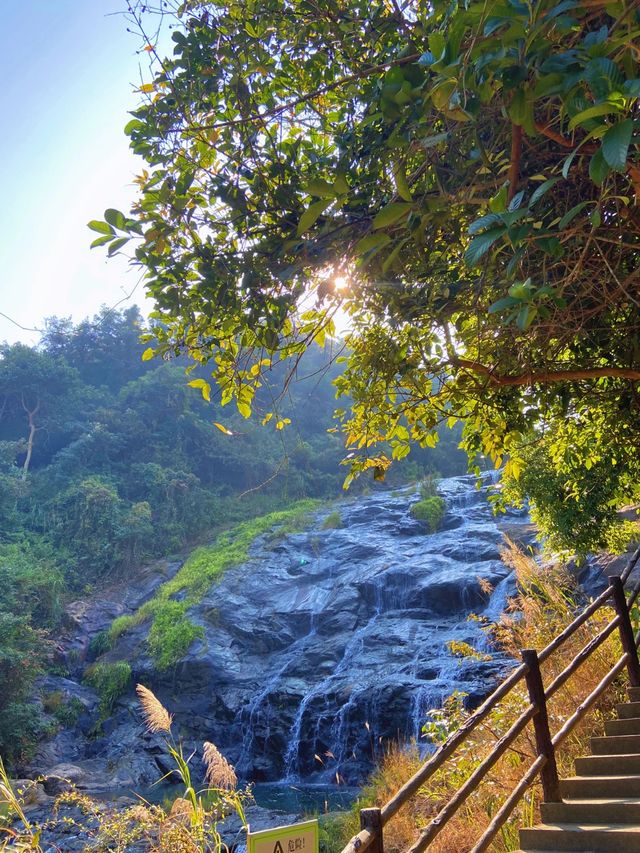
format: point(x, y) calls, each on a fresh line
point(340, 636)
point(334, 642)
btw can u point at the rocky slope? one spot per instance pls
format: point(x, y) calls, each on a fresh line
point(324, 645)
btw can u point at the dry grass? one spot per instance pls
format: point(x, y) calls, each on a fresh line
point(547, 602)
point(219, 773)
point(156, 716)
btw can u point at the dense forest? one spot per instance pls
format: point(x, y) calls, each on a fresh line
point(108, 461)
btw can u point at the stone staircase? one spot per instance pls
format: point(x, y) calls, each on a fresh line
point(600, 809)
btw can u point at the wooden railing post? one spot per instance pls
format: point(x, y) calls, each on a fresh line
point(544, 746)
point(626, 631)
point(371, 819)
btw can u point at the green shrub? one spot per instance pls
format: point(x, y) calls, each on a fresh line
point(110, 681)
point(69, 712)
point(65, 711)
point(171, 633)
point(430, 510)
point(122, 624)
point(21, 726)
point(334, 830)
point(52, 701)
point(333, 521)
point(99, 644)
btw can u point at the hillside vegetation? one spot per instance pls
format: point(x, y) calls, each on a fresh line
point(108, 461)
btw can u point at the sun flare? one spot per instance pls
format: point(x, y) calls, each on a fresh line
point(341, 282)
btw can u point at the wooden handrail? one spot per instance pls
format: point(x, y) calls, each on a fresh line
point(445, 814)
point(581, 657)
point(373, 821)
point(502, 815)
point(584, 706)
point(578, 622)
point(450, 745)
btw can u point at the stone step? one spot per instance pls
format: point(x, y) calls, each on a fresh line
point(628, 709)
point(634, 694)
point(584, 837)
point(600, 810)
point(608, 765)
point(594, 787)
point(618, 745)
point(626, 726)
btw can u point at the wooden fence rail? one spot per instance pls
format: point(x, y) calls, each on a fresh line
point(373, 820)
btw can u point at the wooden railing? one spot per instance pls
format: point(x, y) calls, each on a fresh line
point(373, 820)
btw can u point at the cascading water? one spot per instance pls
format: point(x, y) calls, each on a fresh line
point(329, 643)
point(408, 595)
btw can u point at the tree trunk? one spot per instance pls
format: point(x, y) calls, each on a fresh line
point(31, 413)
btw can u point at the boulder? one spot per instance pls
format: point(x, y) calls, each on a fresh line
point(30, 792)
point(55, 785)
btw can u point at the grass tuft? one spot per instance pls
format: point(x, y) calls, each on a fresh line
point(333, 521)
point(110, 681)
point(171, 632)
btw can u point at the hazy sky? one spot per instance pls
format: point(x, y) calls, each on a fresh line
point(69, 70)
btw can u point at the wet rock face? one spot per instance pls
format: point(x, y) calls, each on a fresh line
point(325, 644)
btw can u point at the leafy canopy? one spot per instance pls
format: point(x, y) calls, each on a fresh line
point(461, 179)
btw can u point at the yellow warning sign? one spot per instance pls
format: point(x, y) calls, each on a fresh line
point(298, 838)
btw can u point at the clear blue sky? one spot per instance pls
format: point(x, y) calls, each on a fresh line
point(69, 69)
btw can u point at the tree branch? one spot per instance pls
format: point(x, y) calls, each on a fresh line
point(516, 154)
point(302, 99)
point(547, 376)
point(545, 130)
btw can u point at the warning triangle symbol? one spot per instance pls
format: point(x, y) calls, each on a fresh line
point(278, 848)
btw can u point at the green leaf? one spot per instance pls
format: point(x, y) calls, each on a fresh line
point(321, 189)
point(204, 387)
point(483, 223)
point(101, 227)
point(340, 185)
point(598, 168)
point(632, 87)
point(116, 245)
point(148, 354)
point(615, 144)
point(481, 244)
point(244, 409)
point(516, 201)
point(100, 241)
point(402, 185)
point(392, 256)
point(442, 92)
point(526, 316)
point(430, 141)
point(391, 214)
point(593, 112)
point(134, 124)
point(115, 218)
point(567, 163)
point(498, 203)
point(371, 241)
point(537, 194)
point(503, 304)
point(437, 44)
point(571, 214)
point(311, 215)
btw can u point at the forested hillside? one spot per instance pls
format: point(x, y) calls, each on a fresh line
point(108, 461)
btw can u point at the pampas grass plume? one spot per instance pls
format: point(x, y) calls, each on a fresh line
point(219, 773)
point(157, 718)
